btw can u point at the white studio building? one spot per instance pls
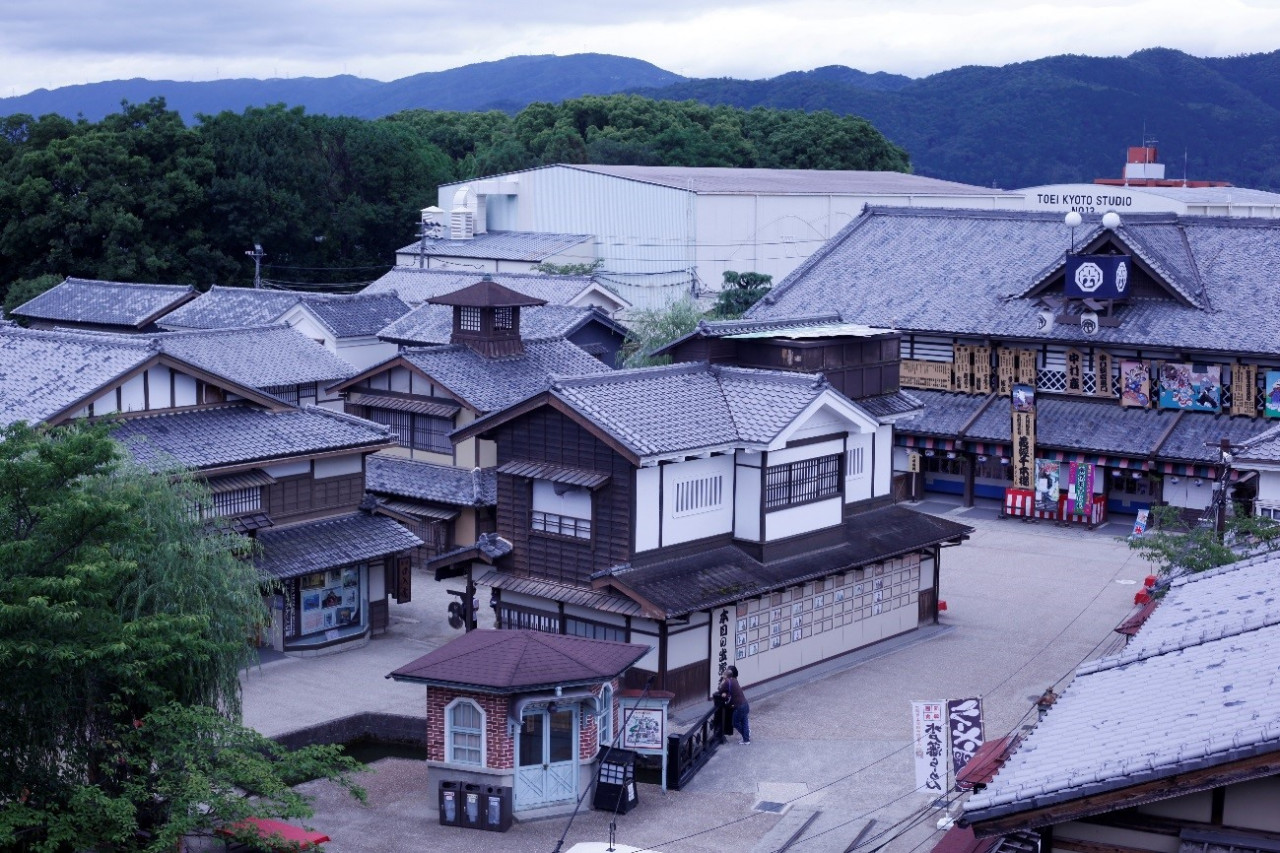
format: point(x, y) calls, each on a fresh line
point(663, 232)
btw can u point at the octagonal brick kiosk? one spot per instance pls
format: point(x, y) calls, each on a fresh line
point(516, 714)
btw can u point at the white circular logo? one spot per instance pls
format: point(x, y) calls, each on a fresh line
point(1088, 277)
point(1122, 277)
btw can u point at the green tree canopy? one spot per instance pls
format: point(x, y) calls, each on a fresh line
point(120, 613)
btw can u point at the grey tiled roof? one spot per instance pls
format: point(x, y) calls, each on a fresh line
point(209, 438)
point(433, 324)
point(347, 315)
point(1195, 689)
point(890, 405)
point(489, 384)
point(727, 574)
point(1092, 426)
point(313, 546)
point(1263, 447)
point(408, 478)
point(415, 286)
point(356, 315)
point(260, 356)
point(699, 179)
point(508, 661)
point(687, 407)
point(531, 246)
point(108, 303)
point(42, 373)
point(960, 272)
point(229, 307)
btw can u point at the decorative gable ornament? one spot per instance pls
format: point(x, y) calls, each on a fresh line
point(1044, 321)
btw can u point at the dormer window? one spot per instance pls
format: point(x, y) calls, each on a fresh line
point(469, 319)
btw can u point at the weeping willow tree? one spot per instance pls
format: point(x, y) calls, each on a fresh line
point(124, 623)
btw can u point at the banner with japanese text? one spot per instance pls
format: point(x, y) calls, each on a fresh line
point(930, 754)
point(1023, 433)
point(1080, 488)
point(964, 727)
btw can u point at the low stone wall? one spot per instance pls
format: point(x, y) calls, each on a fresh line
point(367, 727)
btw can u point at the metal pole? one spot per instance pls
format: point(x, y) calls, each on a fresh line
point(1224, 474)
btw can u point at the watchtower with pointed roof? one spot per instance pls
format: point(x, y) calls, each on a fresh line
point(486, 317)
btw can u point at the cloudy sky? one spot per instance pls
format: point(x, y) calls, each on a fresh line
point(51, 43)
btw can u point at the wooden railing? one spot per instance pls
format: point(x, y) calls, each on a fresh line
point(687, 753)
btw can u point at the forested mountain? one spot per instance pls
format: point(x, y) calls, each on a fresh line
point(506, 84)
point(142, 196)
point(1064, 118)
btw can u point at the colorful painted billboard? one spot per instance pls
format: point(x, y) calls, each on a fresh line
point(1191, 387)
point(1135, 384)
point(1048, 476)
point(1273, 394)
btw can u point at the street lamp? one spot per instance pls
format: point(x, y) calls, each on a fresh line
point(1072, 220)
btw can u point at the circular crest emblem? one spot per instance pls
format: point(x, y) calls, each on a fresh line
point(1122, 277)
point(1088, 277)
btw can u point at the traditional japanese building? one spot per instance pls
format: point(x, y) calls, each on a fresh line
point(103, 306)
point(1139, 342)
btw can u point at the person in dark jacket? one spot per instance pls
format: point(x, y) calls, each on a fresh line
point(732, 691)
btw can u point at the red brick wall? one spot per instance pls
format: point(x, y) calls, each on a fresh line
point(499, 747)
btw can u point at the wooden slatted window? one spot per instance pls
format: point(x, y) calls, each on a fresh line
point(802, 482)
point(702, 494)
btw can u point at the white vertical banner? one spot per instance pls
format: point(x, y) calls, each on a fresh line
point(928, 746)
point(723, 644)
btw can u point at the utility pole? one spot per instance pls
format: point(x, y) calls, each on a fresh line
point(257, 254)
point(1224, 476)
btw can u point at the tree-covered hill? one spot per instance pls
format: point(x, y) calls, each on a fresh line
point(1064, 118)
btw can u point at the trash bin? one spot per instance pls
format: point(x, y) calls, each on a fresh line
point(497, 808)
point(450, 808)
point(472, 806)
point(616, 782)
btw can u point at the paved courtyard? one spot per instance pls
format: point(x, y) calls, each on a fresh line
point(1026, 603)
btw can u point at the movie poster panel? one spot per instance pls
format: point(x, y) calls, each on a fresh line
point(1273, 394)
point(1191, 387)
point(1135, 384)
point(1080, 488)
point(1048, 481)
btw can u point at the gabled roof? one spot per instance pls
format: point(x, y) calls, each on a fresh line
point(652, 412)
point(313, 546)
point(1263, 447)
point(505, 662)
point(346, 315)
point(241, 434)
point(962, 272)
point(433, 324)
point(682, 585)
point(729, 181)
point(106, 303)
point(355, 315)
point(1186, 705)
point(416, 286)
point(489, 384)
point(43, 373)
point(530, 246)
point(425, 481)
point(259, 356)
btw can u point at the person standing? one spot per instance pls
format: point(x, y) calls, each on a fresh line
point(733, 694)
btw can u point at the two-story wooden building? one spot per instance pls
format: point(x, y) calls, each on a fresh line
point(444, 489)
point(1143, 340)
point(722, 515)
point(290, 477)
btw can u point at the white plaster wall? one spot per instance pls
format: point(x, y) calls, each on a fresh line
point(377, 583)
point(184, 390)
point(106, 404)
point(825, 421)
point(1252, 805)
point(363, 353)
point(686, 645)
point(792, 521)
point(400, 379)
point(883, 482)
point(337, 466)
point(746, 488)
point(1269, 486)
point(648, 498)
point(858, 487)
point(302, 320)
point(1185, 493)
point(288, 469)
point(158, 386)
point(807, 451)
point(133, 394)
point(698, 524)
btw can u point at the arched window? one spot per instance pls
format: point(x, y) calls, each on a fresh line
point(604, 723)
point(464, 732)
